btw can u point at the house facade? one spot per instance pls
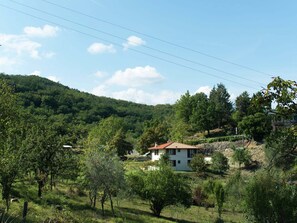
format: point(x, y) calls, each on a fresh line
point(180, 155)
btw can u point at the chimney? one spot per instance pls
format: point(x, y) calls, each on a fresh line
point(156, 144)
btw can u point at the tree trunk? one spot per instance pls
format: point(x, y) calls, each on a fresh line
point(111, 203)
point(40, 186)
point(51, 182)
point(6, 188)
point(156, 208)
point(103, 199)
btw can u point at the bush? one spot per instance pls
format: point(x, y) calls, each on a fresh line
point(219, 162)
point(198, 164)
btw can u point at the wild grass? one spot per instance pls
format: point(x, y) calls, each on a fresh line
point(66, 204)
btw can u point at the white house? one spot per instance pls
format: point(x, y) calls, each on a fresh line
point(180, 154)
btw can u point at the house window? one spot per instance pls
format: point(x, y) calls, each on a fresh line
point(178, 150)
point(178, 161)
point(189, 161)
point(191, 152)
point(171, 152)
point(173, 162)
point(156, 152)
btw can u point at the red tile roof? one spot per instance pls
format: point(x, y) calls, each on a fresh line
point(173, 145)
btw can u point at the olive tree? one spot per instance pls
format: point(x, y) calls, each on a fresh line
point(104, 173)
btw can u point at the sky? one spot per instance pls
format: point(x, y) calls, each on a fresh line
point(150, 52)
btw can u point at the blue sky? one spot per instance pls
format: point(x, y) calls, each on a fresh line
point(106, 60)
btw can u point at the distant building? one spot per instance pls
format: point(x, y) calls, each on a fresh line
point(180, 155)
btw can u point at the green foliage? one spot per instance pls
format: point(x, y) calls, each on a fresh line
point(219, 99)
point(219, 162)
point(220, 197)
point(179, 130)
point(235, 190)
point(156, 131)
point(242, 104)
point(42, 97)
point(216, 189)
point(201, 118)
point(280, 148)
point(103, 172)
point(198, 163)
point(269, 199)
point(241, 155)
point(161, 188)
point(45, 155)
point(164, 159)
point(120, 144)
point(283, 93)
point(11, 136)
point(256, 126)
point(183, 108)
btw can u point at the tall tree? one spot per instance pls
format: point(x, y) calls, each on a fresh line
point(120, 144)
point(184, 107)
point(220, 99)
point(201, 116)
point(284, 94)
point(45, 153)
point(242, 104)
point(256, 126)
point(11, 136)
point(156, 131)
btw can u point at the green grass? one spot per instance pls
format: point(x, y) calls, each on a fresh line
point(77, 209)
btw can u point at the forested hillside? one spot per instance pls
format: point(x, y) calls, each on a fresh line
point(61, 104)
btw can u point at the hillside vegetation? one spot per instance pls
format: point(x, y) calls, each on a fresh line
point(65, 152)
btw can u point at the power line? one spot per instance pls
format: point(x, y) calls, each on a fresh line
point(138, 51)
point(159, 39)
point(151, 48)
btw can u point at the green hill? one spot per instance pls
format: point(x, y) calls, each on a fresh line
point(58, 103)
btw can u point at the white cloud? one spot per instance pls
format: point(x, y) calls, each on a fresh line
point(100, 90)
point(138, 96)
point(53, 78)
point(5, 61)
point(36, 73)
point(50, 77)
point(133, 41)
point(204, 89)
point(100, 74)
point(97, 48)
point(135, 77)
point(49, 55)
point(45, 31)
point(20, 44)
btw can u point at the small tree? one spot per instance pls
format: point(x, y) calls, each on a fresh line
point(241, 155)
point(280, 147)
point(161, 188)
point(269, 198)
point(256, 126)
point(104, 172)
point(219, 162)
point(198, 163)
point(216, 188)
point(220, 197)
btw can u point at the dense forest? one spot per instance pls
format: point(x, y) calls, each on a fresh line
point(60, 148)
point(76, 111)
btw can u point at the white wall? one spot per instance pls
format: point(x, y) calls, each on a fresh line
point(181, 156)
point(157, 157)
